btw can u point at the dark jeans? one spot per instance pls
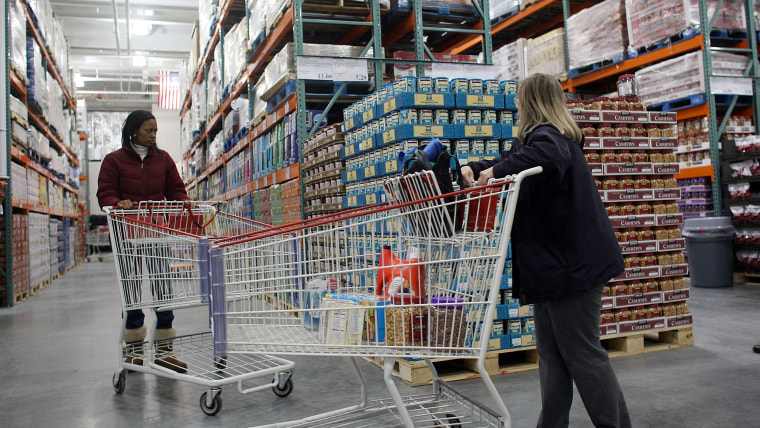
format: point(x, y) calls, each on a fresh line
point(152, 258)
point(569, 350)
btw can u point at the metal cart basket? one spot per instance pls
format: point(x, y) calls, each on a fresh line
point(161, 256)
point(418, 277)
point(95, 239)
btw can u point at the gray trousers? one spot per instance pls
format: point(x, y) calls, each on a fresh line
point(569, 350)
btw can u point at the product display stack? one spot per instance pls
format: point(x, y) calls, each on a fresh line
point(322, 168)
point(39, 248)
point(631, 154)
point(20, 259)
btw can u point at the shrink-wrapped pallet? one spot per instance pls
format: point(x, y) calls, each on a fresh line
point(18, 37)
point(683, 76)
point(500, 8)
point(651, 21)
point(546, 54)
point(597, 34)
point(235, 46)
point(509, 61)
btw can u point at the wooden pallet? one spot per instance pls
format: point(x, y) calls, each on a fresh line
point(504, 361)
point(748, 278)
point(20, 297)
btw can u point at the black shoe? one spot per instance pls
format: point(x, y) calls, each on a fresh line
point(756, 349)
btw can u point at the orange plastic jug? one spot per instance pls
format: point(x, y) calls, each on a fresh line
point(397, 275)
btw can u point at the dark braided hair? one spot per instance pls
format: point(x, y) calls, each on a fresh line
point(132, 124)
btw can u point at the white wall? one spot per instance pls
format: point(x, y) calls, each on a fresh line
point(168, 139)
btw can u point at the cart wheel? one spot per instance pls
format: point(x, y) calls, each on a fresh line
point(453, 421)
point(119, 381)
point(100, 259)
point(285, 390)
point(220, 363)
point(88, 259)
point(215, 407)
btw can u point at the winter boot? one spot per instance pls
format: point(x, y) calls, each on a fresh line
point(134, 337)
point(164, 342)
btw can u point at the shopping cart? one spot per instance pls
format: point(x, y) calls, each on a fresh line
point(418, 277)
point(161, 256)
point(95, 239)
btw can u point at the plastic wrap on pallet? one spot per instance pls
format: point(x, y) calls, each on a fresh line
point(546, 54)
point(652, 21)
point(235, 47)
point(207, 11)
point(257, 22)
point(509, 61)
point(283, 66)
point(18, 36)
point(104, 130)
point(38, 142)
point(609, 39)
point(683, 76)
point(36, 90)
point(400, 70)
point(503, 7)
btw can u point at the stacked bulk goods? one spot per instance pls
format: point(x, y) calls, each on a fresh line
point(604, 45)
point(509, 61)
point(546, 54)
point(652, 23)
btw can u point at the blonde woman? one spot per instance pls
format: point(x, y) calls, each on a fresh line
point(564, 252)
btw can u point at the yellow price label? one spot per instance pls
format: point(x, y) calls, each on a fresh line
point(349, 150)
point(366, 144)
point(478, 130)
point(389, 136)
point(391, 166)
point(352, 201)
point(369, 171)
point(480, 100)
point(368, 115)
point(351, 175)
point(371, 198)
point(428, 99)
point(389, 106)
point(428, 131)
point(350, 123)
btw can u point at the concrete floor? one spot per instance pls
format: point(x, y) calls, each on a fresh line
point(58, 352)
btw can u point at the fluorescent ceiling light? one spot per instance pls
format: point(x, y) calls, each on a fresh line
point(141, 28)
point(78, 80)
point(139, 61)
point(148, 12)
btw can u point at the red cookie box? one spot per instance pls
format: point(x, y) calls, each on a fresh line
point(676, 295)
point(635, 247)
point(669, 219)
point(624, 221)
point(625, 116)
point(618, 116)
point(640, 195)
point(617, 143)
point(679, 320)
point(674, 270)
point(628, 168)
point(638, 273)
point(666, 168)
point(671, 244)
point(663, 143)
point(663, 117)
point(641, 325)
point(638, 299)
point(608, 329)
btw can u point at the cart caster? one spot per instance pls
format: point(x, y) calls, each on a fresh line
point(119, 381)
point(220, 363)
point(285, 390)
point(100, 259)
point(216, 402)
point(88, 259)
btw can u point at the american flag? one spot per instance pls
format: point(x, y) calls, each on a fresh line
point(169, 90)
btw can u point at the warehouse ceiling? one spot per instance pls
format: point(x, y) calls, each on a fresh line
point(118, 63)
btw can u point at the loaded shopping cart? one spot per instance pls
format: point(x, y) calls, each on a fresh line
point(417, 277)
point(161, 256)
point(96, 239)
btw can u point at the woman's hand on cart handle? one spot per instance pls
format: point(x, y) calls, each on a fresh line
point(485, 175)
point(126, 204)
point(468, 176)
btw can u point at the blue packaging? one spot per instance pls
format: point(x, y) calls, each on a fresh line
point(476, 86)
point(425, 85)
point(491, 87)
point(459, 86)
point(441, 85)
point(508, 87)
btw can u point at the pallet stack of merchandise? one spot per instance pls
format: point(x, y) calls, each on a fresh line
point(39, 249)
point(321, 171)
point(631, 154)
point(19, 258)
point(590, 50)
point(56, 242)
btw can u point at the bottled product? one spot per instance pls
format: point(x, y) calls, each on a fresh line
point(447, 322)
point(405, 324)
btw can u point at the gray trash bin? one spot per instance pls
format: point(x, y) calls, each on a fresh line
point(710, 243)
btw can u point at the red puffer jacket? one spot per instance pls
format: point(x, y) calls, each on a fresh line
point(124, 176)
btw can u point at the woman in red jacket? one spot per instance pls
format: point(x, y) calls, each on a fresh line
point(140, 171)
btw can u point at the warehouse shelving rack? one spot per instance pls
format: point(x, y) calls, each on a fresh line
point(368, 30)
point(11, 83)
point(545, 15)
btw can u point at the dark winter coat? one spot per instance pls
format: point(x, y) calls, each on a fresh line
point(562, 239)
point(123, 175)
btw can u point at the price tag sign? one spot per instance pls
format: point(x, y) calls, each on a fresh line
point(350, 69)
point(452, 70)
point(314, 68)
point(731, 85)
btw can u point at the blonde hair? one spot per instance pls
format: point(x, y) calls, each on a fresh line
point(542, 101)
